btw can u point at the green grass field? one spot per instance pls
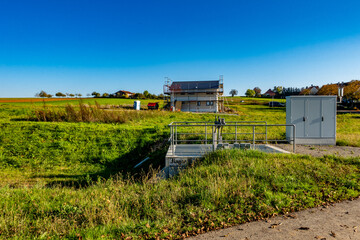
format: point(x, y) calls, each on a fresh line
point(76, 179)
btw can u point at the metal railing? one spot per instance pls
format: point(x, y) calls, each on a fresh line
point(220, 133)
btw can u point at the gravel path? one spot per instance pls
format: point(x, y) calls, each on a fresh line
point(338, 221)
point(321, 150)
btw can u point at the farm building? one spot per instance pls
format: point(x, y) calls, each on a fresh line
point(269, 93)
point(195, 96)
point(123, 93)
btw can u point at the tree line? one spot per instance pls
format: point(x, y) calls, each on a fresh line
point(143, 95)
point(351, 91)
point(44, 94)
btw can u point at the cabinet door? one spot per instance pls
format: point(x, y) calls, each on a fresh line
point(313, 118)
point(297, 115)
point(328, 126)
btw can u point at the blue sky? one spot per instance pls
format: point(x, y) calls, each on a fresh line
point(84, 46)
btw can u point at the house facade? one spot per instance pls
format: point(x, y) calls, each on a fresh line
point(196, 96)
point(123, 93)
point(269, 93)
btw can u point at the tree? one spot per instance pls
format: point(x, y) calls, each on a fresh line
point(305, 91)
point(105, 95)
point(49, 96)
point(60, 94)
point(42, 94)
point(329, 89)
point(233, 92)
point(79, 95)
point(250, 93)
point(278, 90)
point(71, 95)
point(257, 91)
point(146, 94)
point(352, 90)
point(95, 94)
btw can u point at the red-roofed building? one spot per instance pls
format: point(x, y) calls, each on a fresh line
point(269, 93)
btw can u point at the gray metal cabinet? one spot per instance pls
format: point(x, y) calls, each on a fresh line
point(314, 118)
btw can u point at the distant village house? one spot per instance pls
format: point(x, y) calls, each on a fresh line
point(123, 93)
point(269, 93)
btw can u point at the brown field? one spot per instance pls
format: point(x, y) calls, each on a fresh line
point(29, 100)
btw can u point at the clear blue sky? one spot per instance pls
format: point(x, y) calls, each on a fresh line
point(80, 46)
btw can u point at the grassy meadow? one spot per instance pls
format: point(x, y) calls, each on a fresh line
point(67, 171)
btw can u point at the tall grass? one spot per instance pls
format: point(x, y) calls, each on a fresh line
point(225, 188)
point(91, 113)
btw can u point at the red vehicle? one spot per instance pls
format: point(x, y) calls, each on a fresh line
point(153, 106)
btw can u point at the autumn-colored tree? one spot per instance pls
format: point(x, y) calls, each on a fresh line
point(352, 90)
point(305, 91)
point(257, 91)
point(329, 89)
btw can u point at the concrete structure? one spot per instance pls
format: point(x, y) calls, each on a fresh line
point(195, 96)
point(314, 118)
point(189, 141)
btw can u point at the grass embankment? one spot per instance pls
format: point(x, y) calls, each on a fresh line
point(42, 153)
point(225, 188)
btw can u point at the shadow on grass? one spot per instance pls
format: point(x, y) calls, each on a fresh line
point(122, 167)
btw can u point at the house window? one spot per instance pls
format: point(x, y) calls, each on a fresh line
point(199, 103)
point(210, 103)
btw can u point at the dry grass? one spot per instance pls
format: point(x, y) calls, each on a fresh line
point(91, 113)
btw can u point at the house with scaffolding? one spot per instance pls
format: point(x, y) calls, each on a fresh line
point(195, 96)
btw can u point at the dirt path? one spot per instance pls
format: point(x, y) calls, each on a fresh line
point(338, 221)
point(321, 150)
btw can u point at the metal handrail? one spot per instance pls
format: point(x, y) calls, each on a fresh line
point(174, 133)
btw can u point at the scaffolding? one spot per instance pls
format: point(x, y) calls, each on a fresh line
point(184, 95)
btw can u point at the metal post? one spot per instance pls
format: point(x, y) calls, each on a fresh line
point(205, 133)
point(213, 137)
point(236, 132)
point(253, 137)
point(175, 134)
point(266, 133)
point(294, 139)
point(172, 139)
